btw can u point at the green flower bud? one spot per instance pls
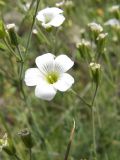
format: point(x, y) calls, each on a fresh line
point(84, 49)
point(115, 10)
point(69, 4)
point(95, 29)
point(101, 41)
point(95, 69)
point(26, 138)
point(2, 30)
point(12, 34)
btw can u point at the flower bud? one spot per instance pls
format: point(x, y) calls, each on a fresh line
point(115, 10)
point(95, 71)
point(35, 31)
point(101, 40)
point(6, 144)
point(26, 138)
point(2, 30)
point(95, 29)
point(69, 4)
point(84, 48)
point(12, 34)
point(60, 4)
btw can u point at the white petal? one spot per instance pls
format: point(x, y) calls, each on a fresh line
point(45, 62)
point(57, 20)
point(40, 17)
point(53, 10)
point(112, 22)
point(64, 62)
point(45, 91)
point(46, 25)
point(32, 76)
point(64, 83)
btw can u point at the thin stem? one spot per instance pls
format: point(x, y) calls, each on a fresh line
point(27, 46)
point(30, 34)
point(70, 141)
point(42, 35)
point(55, 41)
point(21, 71)
point(16, 156)
point(20, 54)
point(93, 100)
point(93, 121)
point(10, 49)
point(81, 98)
point(30, 152)
point(98, 115)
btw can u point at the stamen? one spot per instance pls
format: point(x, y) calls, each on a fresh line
point(52, 77)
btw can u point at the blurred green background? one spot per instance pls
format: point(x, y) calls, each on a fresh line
point(50, 122)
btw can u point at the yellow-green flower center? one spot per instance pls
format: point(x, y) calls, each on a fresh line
point(52, 77)
point(48, 17)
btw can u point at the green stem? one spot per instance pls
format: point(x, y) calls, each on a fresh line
point(42, 35)
point(12, 52)
point(93, 121)
point(55, 41)
point(20, 54)
point(74, 92)
point(16, 156)
point(70, 142)
point(95, 93)
point(2, 120)
point(27, 46)
point(30, 34)
point(21, 71)
point(30, 152)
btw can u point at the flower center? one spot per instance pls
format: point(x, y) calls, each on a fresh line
point(52, 77)
point(48, 17)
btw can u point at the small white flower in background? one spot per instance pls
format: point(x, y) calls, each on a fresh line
point(102, 36)
point(95, 27)
point(50, 75)
point(114, 8)
point(51, 16)
point(95, 71)
point(3, 142)
point(83, 43)
point(26, 6)
point(113, 23)
point(60, 4)
point(35, 31)
point(10, 26)
point(94, 66)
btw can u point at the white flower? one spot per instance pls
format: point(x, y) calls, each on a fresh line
point(51, 17)
point(59, 4)
point(95, 27)
point(35, 31)
point(102, 36)
point(113, 22)
point(114, 8)
point(95, 66)
point(50, 75)
point(83, 43)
